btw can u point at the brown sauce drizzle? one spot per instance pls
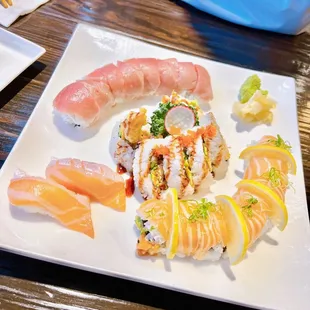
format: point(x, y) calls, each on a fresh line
point(130, 186)
point(120, 169)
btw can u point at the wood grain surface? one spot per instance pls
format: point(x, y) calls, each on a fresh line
point(170, 23)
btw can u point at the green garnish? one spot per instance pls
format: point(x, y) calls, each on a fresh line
point(139, 224)
point(158, 118)
point(248, 207)
point(153, 165)
point(161, 214)
point(279, 142)
point(150, 212)
point(202, 210)
point(249, 87)
point(120, 132)
point(152, 228)
point(274, 176)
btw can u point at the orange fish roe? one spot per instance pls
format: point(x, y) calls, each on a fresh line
point(186, 141)
point(174, 130)
point(161, 150)
point(206, 132)
point(210, 131)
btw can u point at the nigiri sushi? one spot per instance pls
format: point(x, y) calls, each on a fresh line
point(83, 102)
point(38, 195)
point(87, 178)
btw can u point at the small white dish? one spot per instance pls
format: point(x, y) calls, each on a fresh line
point(16, 54)
point(276, 275)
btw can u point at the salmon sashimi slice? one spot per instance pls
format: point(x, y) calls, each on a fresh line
point(133, 80)
point(202, 88)
point(149, 67)
point(187, 76)
point(97, 181)
point(168, 70)
point(38, 195)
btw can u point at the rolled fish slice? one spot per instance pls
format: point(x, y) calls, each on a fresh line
point(169, 75)
point(149, 67)
point(202, 240)
point(257, 219)
point(38, 195)
point(133, 80)
point(97, 181)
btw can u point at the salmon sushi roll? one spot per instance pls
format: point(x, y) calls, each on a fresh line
point(200, 239)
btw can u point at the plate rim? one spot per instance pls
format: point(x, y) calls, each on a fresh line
point(41, 52)
point(104, 271)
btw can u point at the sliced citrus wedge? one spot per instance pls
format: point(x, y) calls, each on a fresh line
point(277, 211)
point(264, 150)
point(237, 236)
point(173, 239)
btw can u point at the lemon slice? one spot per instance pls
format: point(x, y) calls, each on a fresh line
point(263, 150)
point(237, 236)
point(277, 211)
point(173, 239)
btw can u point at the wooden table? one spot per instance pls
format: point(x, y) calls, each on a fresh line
point(169, 23)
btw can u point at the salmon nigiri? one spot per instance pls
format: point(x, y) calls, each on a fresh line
point(87, 178)
point(38, 195)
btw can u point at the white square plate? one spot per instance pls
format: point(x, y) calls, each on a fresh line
point(276, 275)
point(16, 54)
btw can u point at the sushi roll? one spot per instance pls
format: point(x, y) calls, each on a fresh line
point(215, 143)
point(200, 239)
point(124, 154)
point(148, 169)
point(160, 164)
point(177, 169)
point(197, 155)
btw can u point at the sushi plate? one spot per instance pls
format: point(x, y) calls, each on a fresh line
point(16, 54)
point(274, 275)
